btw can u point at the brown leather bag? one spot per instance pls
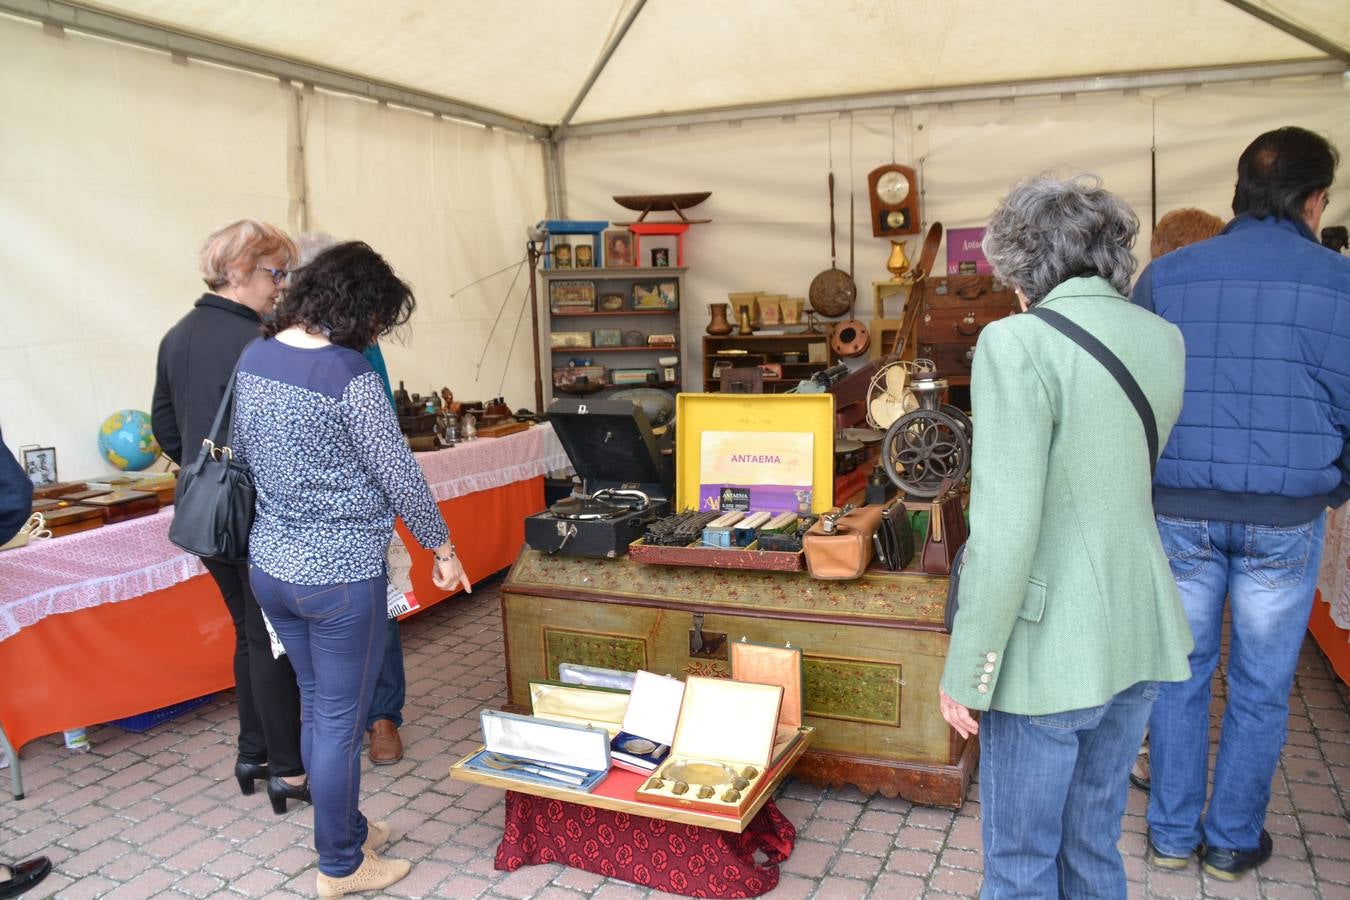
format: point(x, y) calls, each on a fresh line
point(946, 533)
point(848, 551)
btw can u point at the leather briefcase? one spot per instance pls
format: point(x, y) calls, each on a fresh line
point(839, 545)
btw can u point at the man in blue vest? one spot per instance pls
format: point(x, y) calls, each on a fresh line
point(1259, 453)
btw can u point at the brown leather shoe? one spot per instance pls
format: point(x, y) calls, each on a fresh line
point(386, 747)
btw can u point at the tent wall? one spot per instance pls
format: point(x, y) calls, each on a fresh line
point(117, 162)
point(769, 230)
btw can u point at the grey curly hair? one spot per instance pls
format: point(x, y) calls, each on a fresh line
point(1050, 229)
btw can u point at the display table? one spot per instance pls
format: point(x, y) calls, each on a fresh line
point(611, 833)
point(117, 621)
point(873, 652)
point(666, 856)
point(1330, 620)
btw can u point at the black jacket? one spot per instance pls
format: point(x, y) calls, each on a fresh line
point(195, 361)
point(16, 494)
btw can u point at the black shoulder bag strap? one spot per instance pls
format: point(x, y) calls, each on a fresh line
point(225, 409)
point(1103, 355)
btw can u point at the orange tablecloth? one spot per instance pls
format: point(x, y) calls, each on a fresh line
point(120, 659)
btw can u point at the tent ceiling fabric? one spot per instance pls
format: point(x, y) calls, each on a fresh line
point(530, 59)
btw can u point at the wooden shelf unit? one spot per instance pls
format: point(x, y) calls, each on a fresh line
point(648, 321)
point(771, 347)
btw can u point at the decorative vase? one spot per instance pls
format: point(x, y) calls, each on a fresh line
point(746, 327)
point(719, 324)
point(898, 264)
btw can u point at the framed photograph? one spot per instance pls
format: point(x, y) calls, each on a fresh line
point(608, 337)
point(40, 464)
point(611, 302)
point(660, 257)
point(656, 295)
point(619, 249)
point(584, 255)
point(571, 296)
point(562, 256)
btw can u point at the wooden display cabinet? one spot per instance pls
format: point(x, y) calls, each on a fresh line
point(609, 282)
point(769, 348)
point(873, 652)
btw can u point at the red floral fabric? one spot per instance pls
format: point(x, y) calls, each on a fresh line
point(667, 856)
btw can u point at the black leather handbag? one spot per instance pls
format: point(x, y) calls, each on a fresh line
point(1100, 352)
point(213, 502)
point(894, 539)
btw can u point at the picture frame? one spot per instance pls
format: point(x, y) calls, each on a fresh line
point(562, 255)
point(663, 295)
point(583, 256)
point(660, 257)
point(40, 464)
point(608, 337)
point(611, 302)
point(571, 296)
point(619, 249)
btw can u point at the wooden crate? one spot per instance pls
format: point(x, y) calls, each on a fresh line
point(873, 652)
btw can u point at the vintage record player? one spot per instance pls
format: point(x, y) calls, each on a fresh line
point(626, 481)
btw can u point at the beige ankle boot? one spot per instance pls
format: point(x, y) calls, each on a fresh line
point(375, 873)
point(377, 835)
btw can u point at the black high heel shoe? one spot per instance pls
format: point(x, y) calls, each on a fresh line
point(246, 773)
point(279, 791)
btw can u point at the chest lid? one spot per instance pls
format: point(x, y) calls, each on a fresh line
point(610, 444)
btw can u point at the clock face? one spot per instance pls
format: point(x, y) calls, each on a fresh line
point(892, 188)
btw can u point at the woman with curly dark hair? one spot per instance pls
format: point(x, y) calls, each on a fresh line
point(332, 472)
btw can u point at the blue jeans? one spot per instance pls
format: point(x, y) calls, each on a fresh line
point(1052, 794)
point(334, 635)
point(1268, 574)
point(392, 684)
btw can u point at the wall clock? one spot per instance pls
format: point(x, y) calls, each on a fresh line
point(894, 194)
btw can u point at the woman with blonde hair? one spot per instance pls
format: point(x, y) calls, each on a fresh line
point(244, 265)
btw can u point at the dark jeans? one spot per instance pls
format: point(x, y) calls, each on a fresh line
point(265, 688)
point(335, 636)
point(392, 684)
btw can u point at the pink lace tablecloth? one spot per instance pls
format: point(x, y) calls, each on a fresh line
point(1333, 581)
point(118, 562)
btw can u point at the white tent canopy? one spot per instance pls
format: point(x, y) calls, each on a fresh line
point(121, 155)
point(531, 60)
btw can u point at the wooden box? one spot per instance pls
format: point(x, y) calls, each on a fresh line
point(72, 519)
point(872, 653)
point(118, 506)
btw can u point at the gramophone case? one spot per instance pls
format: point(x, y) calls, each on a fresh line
point(872, 653)
point(611, 445)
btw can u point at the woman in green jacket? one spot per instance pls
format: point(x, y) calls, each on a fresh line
point(1068, 612)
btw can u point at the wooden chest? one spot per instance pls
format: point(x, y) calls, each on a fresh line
point(955, 310)
point(873, 651)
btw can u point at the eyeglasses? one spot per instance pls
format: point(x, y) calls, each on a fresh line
point(278, 275)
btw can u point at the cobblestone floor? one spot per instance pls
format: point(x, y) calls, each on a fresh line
point(159, 815)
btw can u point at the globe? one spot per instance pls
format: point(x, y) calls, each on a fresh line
point(126, 440)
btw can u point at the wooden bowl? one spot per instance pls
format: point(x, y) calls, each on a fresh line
point(662, 202)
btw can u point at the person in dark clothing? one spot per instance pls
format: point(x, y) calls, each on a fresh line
point(244, 266)
point(16, 504)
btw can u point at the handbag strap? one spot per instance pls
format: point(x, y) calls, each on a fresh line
point(1103, 355)
point(214, 434)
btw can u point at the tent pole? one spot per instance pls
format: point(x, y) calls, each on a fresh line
point(1311, 38)
point(600, 64)
point(532, 254)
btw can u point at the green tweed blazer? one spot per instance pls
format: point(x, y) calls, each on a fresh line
point(1066, 594)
